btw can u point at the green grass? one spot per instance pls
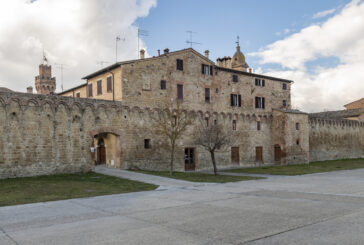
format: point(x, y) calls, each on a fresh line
point(199, 177)
point(64, 186)
point(314, 167)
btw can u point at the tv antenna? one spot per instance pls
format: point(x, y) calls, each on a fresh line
point(141, 33)
point(117, 39)
point(190, 41)
point(101, 62)
point(61, 67)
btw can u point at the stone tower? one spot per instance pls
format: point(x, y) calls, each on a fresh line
point(238, 61)
point(44, 82)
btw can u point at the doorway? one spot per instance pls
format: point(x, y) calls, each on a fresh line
point(101, 152)
point(259, 154)
point(235, 155)
point(277, 153)
point(189, 159)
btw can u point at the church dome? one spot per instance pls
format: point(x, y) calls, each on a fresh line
point(238, 61)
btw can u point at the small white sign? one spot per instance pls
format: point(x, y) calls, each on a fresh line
point(92, 149)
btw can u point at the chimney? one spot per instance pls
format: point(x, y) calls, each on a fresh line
point(30, 90)
point(166, 51)
point(207, 53)
point(250, 70)
point(142, 52)
point(159, 52)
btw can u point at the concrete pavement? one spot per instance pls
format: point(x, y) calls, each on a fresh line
point(326, 208)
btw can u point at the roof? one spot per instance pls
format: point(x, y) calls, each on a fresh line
point(253, 74)
point(338, 114)
point(71, 89)
point(117, 64)
point(354, 102)
point(3, 89)
point(294, 111)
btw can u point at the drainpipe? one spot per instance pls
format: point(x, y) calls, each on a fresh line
point(113, 87)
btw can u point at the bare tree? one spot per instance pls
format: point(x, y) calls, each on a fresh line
point(214, 138)
point(172, 123)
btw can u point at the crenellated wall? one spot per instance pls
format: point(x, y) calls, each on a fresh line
point(335, 139)
point(42, 134)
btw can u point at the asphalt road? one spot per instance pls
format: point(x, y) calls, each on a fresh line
point(325, 208)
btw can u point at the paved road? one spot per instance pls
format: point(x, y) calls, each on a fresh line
point(312, 209)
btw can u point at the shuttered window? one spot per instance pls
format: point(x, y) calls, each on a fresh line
point(179, 65)
point(78, 95)
point(99, 87)
point(206, 69)
point(235, 78)
point(259, 102)
point(235, 100)
point(90, 90)
point(207, 95)
point(109, 84)
point(180, 91)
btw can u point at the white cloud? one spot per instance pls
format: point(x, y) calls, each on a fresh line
point(341, 36)
point(73, 32)
point(323, 13)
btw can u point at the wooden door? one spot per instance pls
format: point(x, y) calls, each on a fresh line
point(235, 155)
point(259, 154)
point(277, 153)
point(189, 159)
point(101, 154)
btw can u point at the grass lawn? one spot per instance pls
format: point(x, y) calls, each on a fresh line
point(199, 177)
point(314, 167)
point(64, 186)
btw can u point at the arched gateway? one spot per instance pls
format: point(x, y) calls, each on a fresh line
point(106, 147)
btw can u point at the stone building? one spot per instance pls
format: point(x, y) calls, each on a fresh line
point(110, 119)
point(229, 88)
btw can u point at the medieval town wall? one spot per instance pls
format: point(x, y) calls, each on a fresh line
point(335, 139)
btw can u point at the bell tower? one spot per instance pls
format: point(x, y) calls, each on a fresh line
point(44, 82)
point(238, 62)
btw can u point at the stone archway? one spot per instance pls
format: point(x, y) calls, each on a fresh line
point(106, 143)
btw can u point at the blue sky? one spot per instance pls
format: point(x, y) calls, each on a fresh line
point(217, 23)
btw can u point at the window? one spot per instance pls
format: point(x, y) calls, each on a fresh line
point(163, 84)
point(284, 102)
point(284, 86)
point(147, 144)
point(207, 95)
point(99, 87)
point(258, 125)
point(235, 100)
point(179, 65)
point(234, 124)
point(206, 69)
point(108, 84)
point(217, 90)
point(259, 82)
point(90, 90)
point(180, 91)
point(215, 122)
point(235, 78)
point(78, 95)
point(259, 102)
point(174, 122)
point(297, 126)
point(297, 141)
point(207, 121)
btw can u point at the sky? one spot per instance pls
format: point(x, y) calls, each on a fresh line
point(318, 44)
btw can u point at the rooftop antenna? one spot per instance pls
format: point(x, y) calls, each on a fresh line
point(61, 67)
point(237, 41)
point(190, 41)
point(117, 39)
point(44, 59)
point(101, 62)
point(141, 33)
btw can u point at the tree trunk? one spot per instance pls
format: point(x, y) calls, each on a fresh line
point(212, 153)
point(172, 159)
